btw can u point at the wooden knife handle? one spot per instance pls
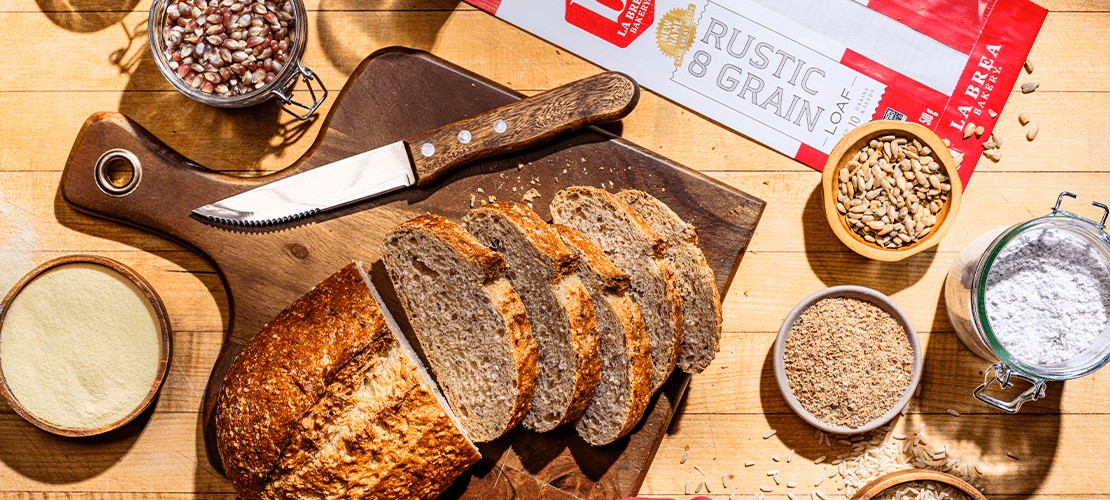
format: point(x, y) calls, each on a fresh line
point(602, 98)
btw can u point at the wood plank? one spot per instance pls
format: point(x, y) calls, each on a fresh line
point(157, 452)
point(741, 381)
point(262, 140)
point(1052, 456)
point(338, 41)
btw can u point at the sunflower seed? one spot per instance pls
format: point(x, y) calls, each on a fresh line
point(1029, 66)
point(1032, 133)
point(969, 129)
point(992, 113)
point(1029, 87)
point(1024, 118)
point(979, 131)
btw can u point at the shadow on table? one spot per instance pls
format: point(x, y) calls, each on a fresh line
point(41, 456)
point(950, 375)
point(86, 16)
point(835, 264)
point(348, 39)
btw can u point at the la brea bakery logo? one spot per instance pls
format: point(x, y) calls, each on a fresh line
point(617, 21)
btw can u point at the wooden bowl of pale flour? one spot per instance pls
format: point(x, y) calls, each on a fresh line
point(84, 345)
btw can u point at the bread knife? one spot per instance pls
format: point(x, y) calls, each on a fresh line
point(423, 159)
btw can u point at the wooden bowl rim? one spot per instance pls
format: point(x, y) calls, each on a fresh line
point(867, 295)
point(165, 344)
point(829, 185)
point(887, 481)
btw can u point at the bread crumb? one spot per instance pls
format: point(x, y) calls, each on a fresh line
point(564, 170)
point(519, 165)
point(480, 190)
point(531, 195)
point(472, 200)
point(492, 198)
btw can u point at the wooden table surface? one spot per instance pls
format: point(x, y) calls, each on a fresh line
point(62, 60)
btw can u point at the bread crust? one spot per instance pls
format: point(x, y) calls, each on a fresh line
point(501, 294)
point(415, 448)
point(637, 344)
point(658, 246)
point(298, 374)
point(702, 337)
point(572, 295)
point(285, 370)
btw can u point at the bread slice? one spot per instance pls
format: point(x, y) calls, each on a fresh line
point(329, 400)
point(701, 304)
point(625, 380)
point(541, 269)
point(470, 322)
point(628, 240)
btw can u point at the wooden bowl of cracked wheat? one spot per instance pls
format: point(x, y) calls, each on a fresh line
point(847, 359)
point(891, 190)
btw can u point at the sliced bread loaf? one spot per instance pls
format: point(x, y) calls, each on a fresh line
point(541, 269)
point(470, 322)
point(329, 401)
point(624, 386)
point(628, 240)
point(701, 304)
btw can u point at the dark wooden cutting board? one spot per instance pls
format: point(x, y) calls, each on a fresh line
point(396, 93)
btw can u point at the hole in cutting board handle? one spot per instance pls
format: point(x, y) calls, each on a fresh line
point(118, 172)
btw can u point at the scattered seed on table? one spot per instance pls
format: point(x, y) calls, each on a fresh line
point(685, 455)
point(790, 457)
point(1032, 133)
point(698, 489)
point(819, 459)
point(1024, 118)
point(766, 489)
point(1029, 87)
point(969, 129)
point(775, 458)
point(1011, 455)
point(791, 484)
point(699, 470)
point(996, 139)
point(732, 495)
point(1028, 66)
point(772, 472)
point(990, 145)
point(954, 413)
point(749, 463)
point(687, 490)
point(994, 155)
point(769, 434)
point(992, 113)
point(979, 131)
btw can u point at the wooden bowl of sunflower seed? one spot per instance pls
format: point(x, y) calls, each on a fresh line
point(891, 190)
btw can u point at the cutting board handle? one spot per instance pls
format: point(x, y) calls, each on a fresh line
point(602, 98)
point(163, 186)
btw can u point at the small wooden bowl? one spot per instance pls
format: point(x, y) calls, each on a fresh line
point(866, 295)
point(165, 346)
point(885, 482)
point(849, 146)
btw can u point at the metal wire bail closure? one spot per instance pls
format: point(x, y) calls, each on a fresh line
point(1001, 373)
point(285, 92)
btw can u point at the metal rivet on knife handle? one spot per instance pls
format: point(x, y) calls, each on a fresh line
point(601, 98)
point(427, 149)
point(464, 136)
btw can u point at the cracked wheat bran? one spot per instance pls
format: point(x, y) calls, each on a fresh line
point(847, 361)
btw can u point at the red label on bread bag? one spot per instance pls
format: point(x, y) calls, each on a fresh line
point(618, 22)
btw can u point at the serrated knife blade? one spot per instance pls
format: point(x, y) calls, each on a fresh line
point(426, 157)
point(350, 180)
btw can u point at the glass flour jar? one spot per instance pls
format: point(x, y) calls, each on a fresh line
point(1016, 344)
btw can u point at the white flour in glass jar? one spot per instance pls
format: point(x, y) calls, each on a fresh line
point(1048, 296)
